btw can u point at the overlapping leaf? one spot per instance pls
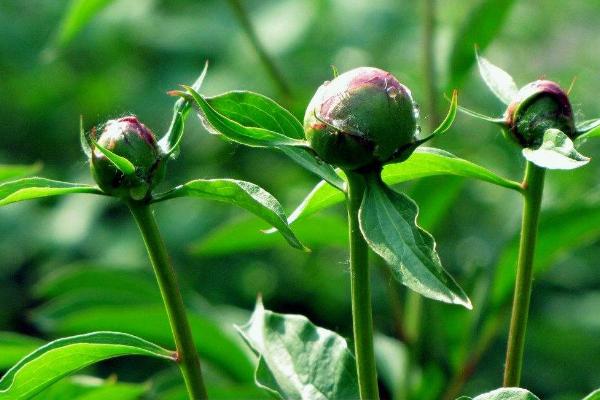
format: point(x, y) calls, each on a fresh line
point(33, 188)
point(556, 152)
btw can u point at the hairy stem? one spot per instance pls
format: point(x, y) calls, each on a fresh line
point(533, 185)
point(362, 318)
point(188, 359)
point(274, 72)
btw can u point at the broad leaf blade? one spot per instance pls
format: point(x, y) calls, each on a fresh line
point(248, 135)
point(240, 193)
point(498, 80)
point(505, 394)
point(8, 171)
point(424, 162)
point(61, 357)
point(33, 188)
point(556, 152)
point(298, 360)
point(481, 26)
point(388, 221)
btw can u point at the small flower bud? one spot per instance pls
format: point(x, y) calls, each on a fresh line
point(128, 138)
point(361, 118)
point(539, 106)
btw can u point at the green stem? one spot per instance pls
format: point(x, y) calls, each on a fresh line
point(362, 318)
point(171, 295)
point(274, 72)
point(533, 185)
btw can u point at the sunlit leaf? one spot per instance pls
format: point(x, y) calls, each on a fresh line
point(479, 29)
point(8, 171)
point(121, 163)
point(14, 346)
point(63, 356)
point(498, 80)
point(249, 135)
point(388, 221)
point(504, 394)
point(556, 152)
point(424, 162)
point(34, 188)
point(298, 360)
point(450, 117)
point(240, 193)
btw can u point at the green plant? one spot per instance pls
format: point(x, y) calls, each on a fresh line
point(127, 162)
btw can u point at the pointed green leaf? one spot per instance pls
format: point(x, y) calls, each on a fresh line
point(595, 395)
point(588, 129)
point(250, 135)
point(298, 360)
point(14, 346)
point(61, 357)
point(505, 394)
point(12, 171)
point(34, 188)
point(169, 143)
point(498, 80)
point(450, 117)
point(475, 114)
point(307, 159)
point(388, 221)
point(424, 162)
point(556, 152)
point(479, 29)
point(240, 193)
point(121, 163)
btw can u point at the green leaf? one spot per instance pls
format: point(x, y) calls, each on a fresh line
point(450, 117)
point(61, 357)
point(475, 114)
point(12, 171)
point(14, 346)
point(480, 27)
point(298, 360)
point(250, 135)
point(498, 80)
point(556, 152)
point(505, 394)
point(121, 163)
point(169, 143)
point(33, 188)
point(588, 129)
point(424, 162)
point(595, 395)
point(240, 193)
point(306, 159)
point(85, 140)
point(388, 221)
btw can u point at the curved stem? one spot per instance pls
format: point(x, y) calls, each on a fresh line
point(533, 185)
point(274, 72)
point(362, 318)
point(171, 295)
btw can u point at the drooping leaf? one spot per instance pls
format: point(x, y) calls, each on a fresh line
point(240, 193)
point(169, 143)
point(249, 135)
point(61, 357)
point(479, 29)
point(595, 395)
point(120, 163)
point(498, 80)
point(588, 129)
point(556, 152)
point(388, 222)
point(14, 346)
point(424, 162)
point(8, 171)
point(34, 188)
point(504, 394)
point(298, 360)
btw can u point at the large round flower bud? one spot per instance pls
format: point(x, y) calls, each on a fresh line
point(128, 138)
point(539, 106)
point(361, 118)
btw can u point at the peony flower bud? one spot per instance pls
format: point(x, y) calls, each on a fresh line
point(128, 138)
point(361, 118)
point(539, 106)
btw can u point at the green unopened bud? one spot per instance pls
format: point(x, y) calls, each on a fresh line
point(128, 138)
point(361, 118)
point(539, 106)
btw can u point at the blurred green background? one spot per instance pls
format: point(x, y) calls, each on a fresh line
point(132, 52)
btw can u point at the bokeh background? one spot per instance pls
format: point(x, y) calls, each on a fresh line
point(76, 264)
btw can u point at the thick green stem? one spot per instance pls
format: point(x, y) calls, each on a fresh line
point(171, 295)
point(362, 318)
point(274, 72)
point(533, 185)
